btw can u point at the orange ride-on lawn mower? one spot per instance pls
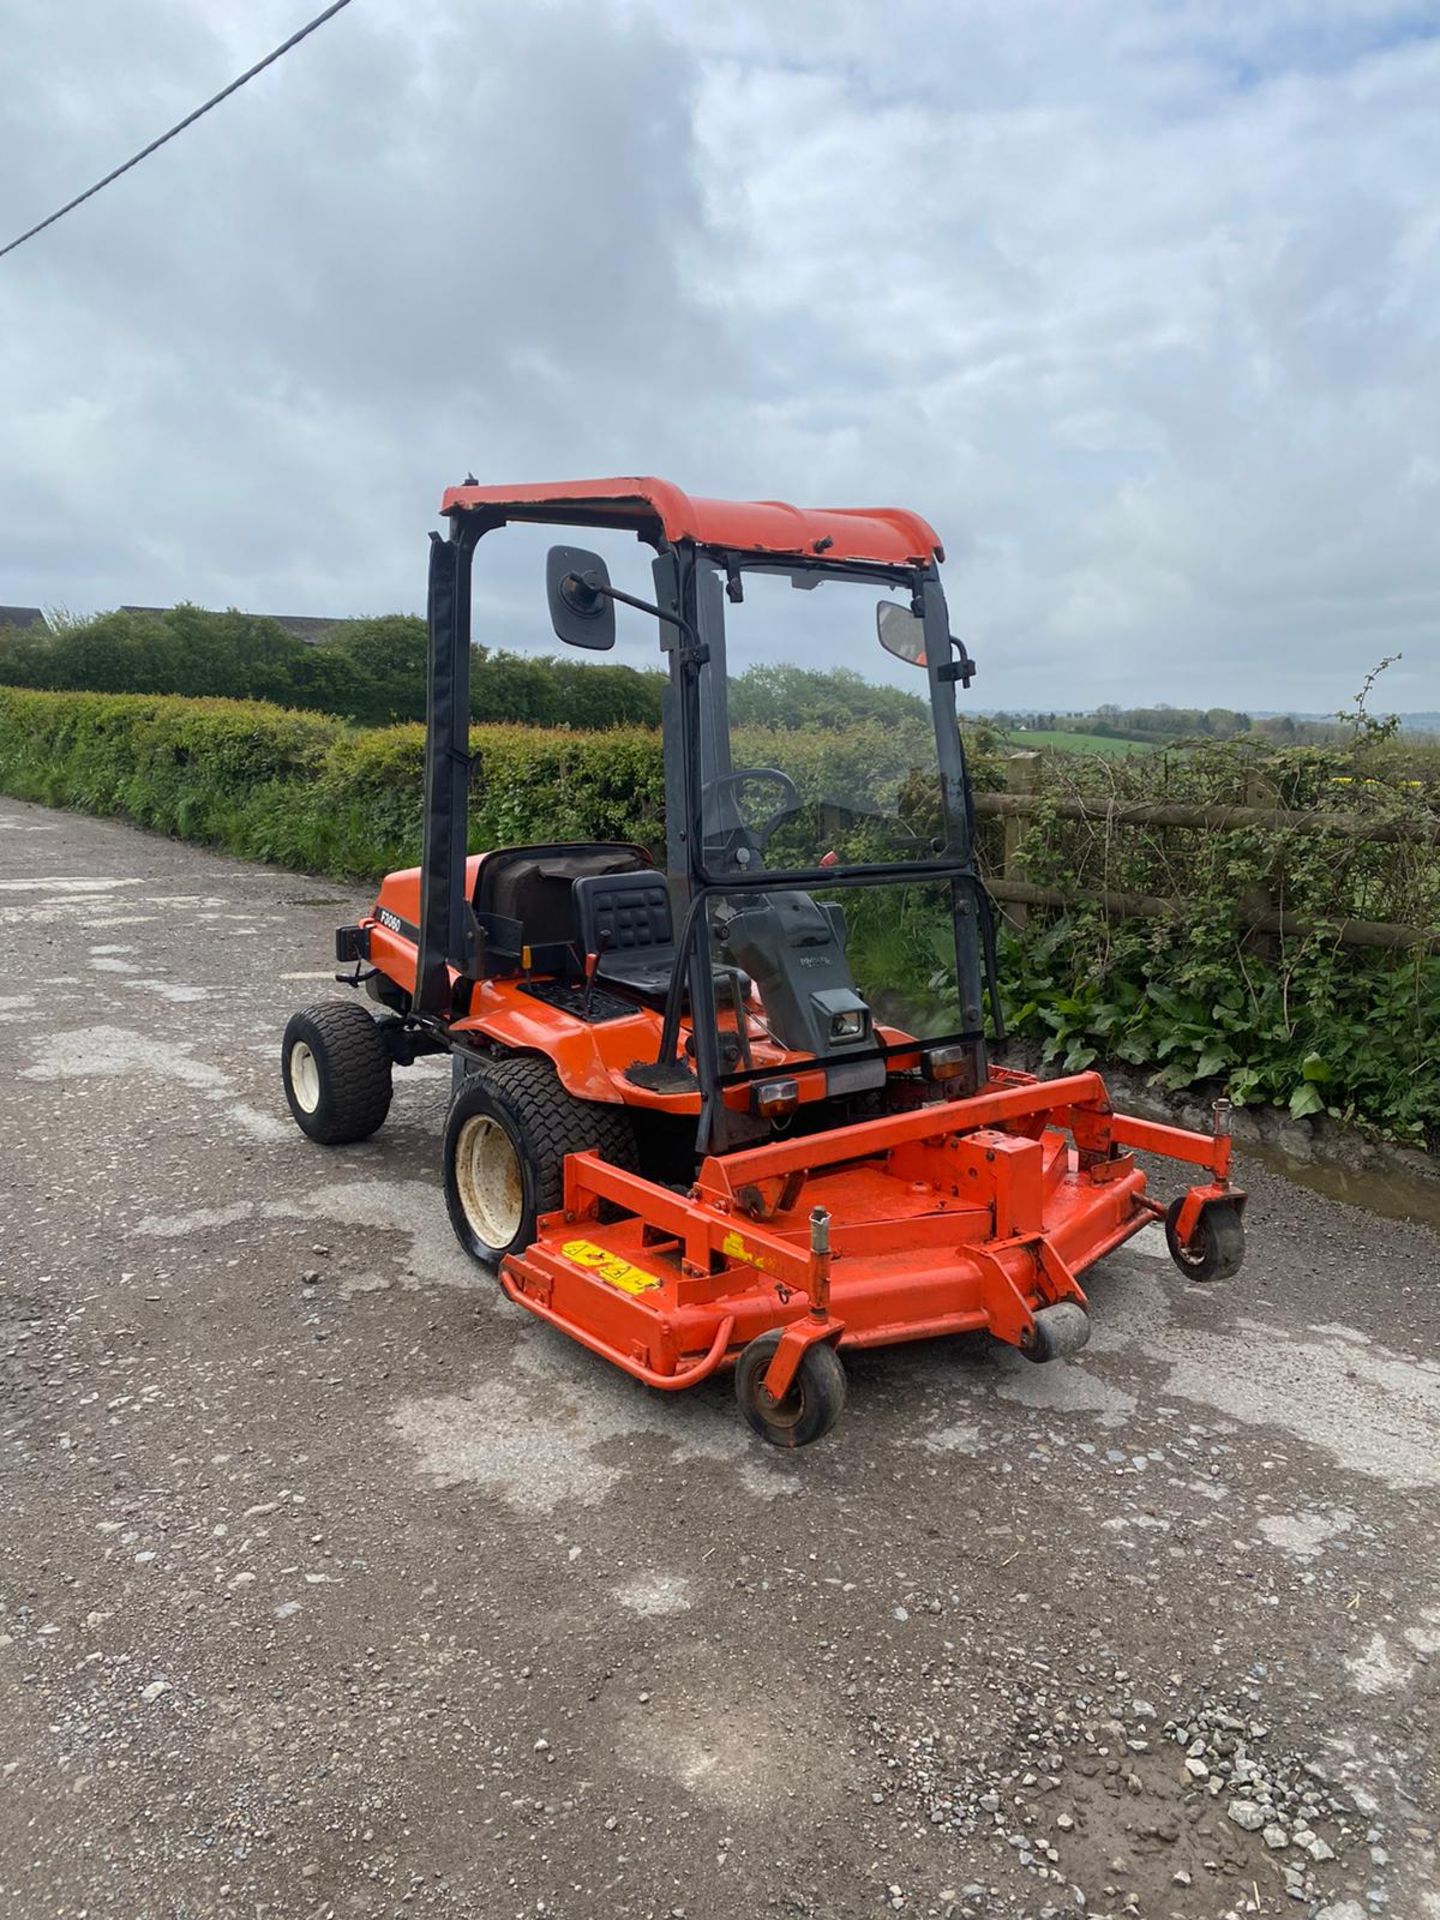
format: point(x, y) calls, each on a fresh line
point(686, 1129)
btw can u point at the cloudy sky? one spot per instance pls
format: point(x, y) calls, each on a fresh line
point(1139, 303)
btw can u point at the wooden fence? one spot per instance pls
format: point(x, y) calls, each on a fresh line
point(1020, 803)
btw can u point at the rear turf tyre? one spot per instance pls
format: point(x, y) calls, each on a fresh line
point(336, 1071)
point(812, 1406)
point(510, 1127)
point(1217, 1249)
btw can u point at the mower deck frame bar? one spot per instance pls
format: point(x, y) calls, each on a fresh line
point(1173, 1143)
point(725, 1177)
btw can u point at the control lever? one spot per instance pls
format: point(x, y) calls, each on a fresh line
point(592, 963)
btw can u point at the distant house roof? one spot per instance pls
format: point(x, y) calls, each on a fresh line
point(309, 627)
point(21, 617)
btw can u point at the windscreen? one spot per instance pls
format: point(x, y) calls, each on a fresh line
point(818, 745)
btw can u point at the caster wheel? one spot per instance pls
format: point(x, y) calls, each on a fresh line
point(811, 1407)
point(1059, 1331)
point(1217, 1248)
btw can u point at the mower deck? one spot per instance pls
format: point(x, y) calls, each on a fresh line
point(963, 1215)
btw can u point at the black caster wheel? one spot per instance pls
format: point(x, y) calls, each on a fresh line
point(811, 1407)
point(1217, 1247)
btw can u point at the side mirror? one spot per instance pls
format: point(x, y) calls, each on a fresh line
point(581, 610)
point(901, 632)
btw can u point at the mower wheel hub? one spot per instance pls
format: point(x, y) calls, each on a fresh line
point(304, 1076)
point(489, 1179)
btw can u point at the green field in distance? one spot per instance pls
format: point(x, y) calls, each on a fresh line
point(1079, 743)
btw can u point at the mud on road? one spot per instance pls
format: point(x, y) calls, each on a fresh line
point(332, 1585)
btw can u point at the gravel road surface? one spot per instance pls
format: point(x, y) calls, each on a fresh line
point(331, 1584)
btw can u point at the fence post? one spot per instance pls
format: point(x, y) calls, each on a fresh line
point(1257, 901)
point(1022, 775)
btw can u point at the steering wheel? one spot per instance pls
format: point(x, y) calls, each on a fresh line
point(739, 835)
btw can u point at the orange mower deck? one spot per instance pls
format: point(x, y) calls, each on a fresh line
point(970, 1215)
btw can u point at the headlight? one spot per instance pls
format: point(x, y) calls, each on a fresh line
point(842, 1017)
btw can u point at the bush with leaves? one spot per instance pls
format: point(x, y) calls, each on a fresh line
point(1300, 1020)
point(369, 670)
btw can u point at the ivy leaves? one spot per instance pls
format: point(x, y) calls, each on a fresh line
point(1369, 1055)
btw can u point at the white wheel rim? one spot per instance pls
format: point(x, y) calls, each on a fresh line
point(489, 1180)
point(304, 1077)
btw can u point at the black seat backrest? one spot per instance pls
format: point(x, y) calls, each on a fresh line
point(624, 913)
point(525, 896)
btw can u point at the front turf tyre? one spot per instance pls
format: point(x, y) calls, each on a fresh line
point(813, 1404)
point(1217, 1249)
point(337, 1072)
point(510, 1127)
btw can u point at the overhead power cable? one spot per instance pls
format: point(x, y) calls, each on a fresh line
point(180, 126)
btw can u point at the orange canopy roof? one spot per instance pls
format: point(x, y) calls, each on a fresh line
point(889, 536)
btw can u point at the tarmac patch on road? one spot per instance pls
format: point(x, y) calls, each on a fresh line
point(119, 1051)
point(655, 1593)
point(555, 1428)
point(415, 1208)
point(1374, 1411)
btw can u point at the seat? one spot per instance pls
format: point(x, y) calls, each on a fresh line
point(524, 897)
point(625, 918)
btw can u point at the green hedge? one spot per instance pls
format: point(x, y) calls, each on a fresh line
point(311, 792)
point(370, 671)
point(308, 791)
point(1305, 1024)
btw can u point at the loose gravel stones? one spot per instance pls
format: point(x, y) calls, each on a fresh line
point(1098, 1804)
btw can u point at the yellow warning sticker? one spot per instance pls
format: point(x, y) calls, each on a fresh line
point(609, 1267)
point(734, 1248)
